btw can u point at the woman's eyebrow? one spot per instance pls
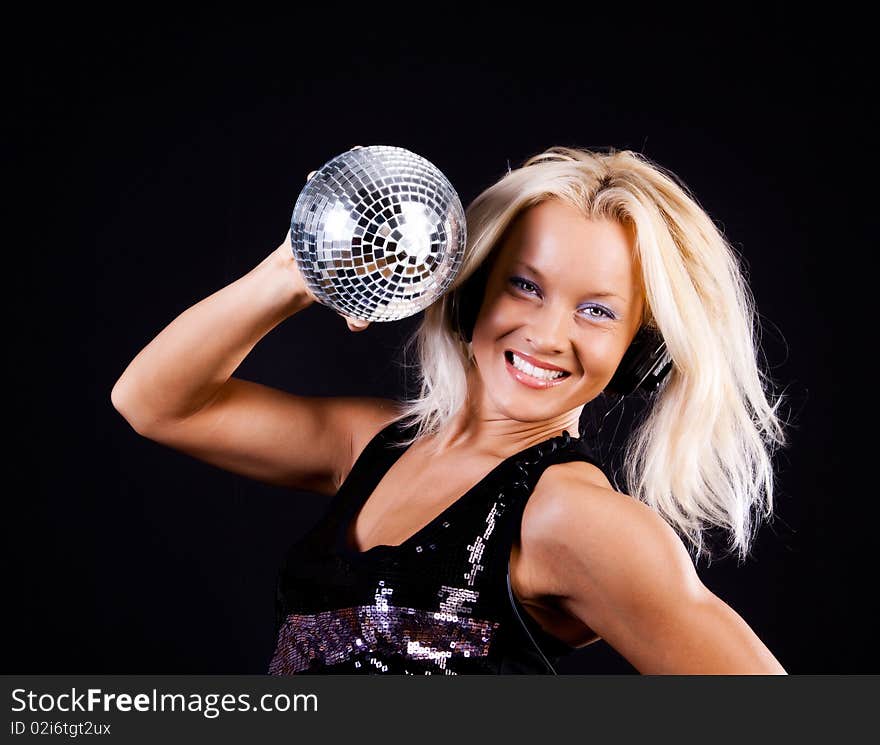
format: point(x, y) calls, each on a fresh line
point(600, 293)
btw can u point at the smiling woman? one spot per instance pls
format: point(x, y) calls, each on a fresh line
point(574, 261)
point(472, 529)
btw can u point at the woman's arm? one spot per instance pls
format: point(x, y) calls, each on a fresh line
point(617, 566)
point(185, 366)
point(179, 391)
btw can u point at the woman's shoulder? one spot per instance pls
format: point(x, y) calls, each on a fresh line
point(575, 490)
point(575, 518)
point(573, 497)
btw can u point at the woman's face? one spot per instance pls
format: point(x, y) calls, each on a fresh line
point(564, 292)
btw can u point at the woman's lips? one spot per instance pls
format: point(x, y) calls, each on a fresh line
point(537, 363)
point(528, 380)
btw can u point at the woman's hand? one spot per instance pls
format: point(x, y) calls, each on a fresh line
point(284, 255)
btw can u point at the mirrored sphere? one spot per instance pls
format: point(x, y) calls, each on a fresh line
point(378, 233)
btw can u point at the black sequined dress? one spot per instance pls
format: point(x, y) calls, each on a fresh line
point(439, 602)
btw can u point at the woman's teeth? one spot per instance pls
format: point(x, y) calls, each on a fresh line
point(535, 372)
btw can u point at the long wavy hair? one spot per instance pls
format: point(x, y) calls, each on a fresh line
point(702, 455)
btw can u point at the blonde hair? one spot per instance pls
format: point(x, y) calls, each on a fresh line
point(701, 457)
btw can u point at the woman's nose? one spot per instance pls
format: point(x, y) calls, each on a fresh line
point(549, 329)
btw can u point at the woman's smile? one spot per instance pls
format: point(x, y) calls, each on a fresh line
point(531, 375)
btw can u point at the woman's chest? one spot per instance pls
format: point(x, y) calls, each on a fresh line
point(411, 496)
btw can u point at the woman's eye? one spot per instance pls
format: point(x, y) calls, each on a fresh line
point(523, 284)
point(592, 311)
point(602, 311)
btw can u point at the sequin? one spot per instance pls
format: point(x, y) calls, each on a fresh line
point(387, 631)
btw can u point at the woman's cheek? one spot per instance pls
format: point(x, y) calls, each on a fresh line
point(502, 317)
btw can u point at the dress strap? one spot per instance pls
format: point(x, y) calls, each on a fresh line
point(529, 469)
point(511, 503)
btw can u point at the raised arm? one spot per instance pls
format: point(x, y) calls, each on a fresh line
point(179, 389)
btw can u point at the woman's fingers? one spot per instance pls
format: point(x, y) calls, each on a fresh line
point(355, 324)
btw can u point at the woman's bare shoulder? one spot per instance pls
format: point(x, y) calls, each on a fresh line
point(573, 499)
point(574, 515)
point(574, 490)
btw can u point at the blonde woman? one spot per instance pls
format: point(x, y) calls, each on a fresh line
point(471, 527)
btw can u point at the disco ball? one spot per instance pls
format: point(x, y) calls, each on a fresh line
point(378, 233)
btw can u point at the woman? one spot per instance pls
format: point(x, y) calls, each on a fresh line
point(472, 529)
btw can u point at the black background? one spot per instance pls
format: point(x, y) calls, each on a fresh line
point(155, 160)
